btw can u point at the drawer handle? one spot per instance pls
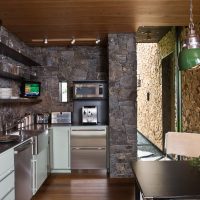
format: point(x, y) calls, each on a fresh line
point(34, 165)
point(9, 172)
point(88, 148)
point(89, 130)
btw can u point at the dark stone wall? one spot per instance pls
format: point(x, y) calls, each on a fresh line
point(84, 63)
point(58, 63)
point(70, 64)
point(11, 112)
point(122, 103)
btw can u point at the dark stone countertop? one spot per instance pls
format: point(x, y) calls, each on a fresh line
point(26, 133)
point(30, 131)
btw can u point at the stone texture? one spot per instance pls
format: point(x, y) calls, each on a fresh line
point(82, 63)
point(58, 63)
point(191, 101)
point(122, 103)
point(150, 71)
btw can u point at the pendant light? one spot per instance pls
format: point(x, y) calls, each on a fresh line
point(189, 56)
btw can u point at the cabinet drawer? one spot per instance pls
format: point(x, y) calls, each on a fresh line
point(10, 195)
point(7, 162)
point(6, 185)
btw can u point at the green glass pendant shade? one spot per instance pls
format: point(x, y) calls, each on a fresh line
point(189, 58)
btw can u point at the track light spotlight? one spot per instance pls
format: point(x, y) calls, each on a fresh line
point(97, 41)
point(73, 41)
point(45, 41)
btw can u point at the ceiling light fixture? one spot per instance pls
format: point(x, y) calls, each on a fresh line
point(64, 40)
point(45, 41)
point(189, 56)
point(73, 41)
point(97, 41)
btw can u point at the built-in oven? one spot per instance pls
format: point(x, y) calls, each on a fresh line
point(89, 89)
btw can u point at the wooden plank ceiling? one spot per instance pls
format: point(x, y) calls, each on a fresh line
point(89, 19)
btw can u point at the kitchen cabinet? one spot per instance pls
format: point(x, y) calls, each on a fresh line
point(7, 174)
point(39, 169)
point(40, 160)
point(60, 149)
point(89, 147)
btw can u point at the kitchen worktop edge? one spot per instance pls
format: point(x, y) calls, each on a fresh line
point(34, 130)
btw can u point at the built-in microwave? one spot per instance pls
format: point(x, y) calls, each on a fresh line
point(89, 89)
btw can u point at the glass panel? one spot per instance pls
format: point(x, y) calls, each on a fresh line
point(86, 90)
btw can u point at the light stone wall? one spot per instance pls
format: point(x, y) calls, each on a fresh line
point(149, 57)
point(191, 101)
point(190, 95)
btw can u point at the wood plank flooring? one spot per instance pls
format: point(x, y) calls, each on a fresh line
point(77, 186)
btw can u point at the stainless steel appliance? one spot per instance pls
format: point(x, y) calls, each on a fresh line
point(90, 89)
point(61, 117)
point(42, 118)
point(89, 115)
point(23, 171)
point(88, 147)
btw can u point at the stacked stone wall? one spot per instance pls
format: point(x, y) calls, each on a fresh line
point(122, 103)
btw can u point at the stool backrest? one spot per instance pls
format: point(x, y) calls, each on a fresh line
point(183, 144)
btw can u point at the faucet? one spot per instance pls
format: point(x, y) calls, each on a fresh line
point(20, 124)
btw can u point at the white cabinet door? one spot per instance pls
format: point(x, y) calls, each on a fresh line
point(60, 149)
point(7, 174)
point(39, 169)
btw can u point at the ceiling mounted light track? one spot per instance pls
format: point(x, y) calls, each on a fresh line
point(189, 56)
point(72, 40)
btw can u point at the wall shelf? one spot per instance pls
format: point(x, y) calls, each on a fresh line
point(8, 75)
point(15, 77)
point(20, 100)
point(15, 55)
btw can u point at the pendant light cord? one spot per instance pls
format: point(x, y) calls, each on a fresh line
point(191, 25)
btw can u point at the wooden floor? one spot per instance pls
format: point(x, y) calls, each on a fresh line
point(78, 186)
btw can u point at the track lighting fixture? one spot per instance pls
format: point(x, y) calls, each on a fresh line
point(73, 41)
point(97, 41)
point(45, 41)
